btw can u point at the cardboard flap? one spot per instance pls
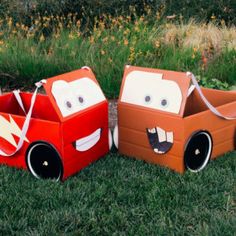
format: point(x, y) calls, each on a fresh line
point(73, 92)
point(162, 90)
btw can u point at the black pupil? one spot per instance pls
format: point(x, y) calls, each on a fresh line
point(147, 99)
point(163, 102)
point(81, 100)
point(68, 104)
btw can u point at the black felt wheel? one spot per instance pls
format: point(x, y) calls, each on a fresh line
point(198, 151)
point(43, 161)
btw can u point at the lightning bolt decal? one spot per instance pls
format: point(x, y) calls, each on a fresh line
point(8, 129)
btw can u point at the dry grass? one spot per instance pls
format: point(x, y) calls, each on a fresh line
point(200, 36)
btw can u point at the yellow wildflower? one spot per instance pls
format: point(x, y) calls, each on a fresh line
point(50, 51)
point(91, 40)
point(104, 40)
point(126, 42)
point(101, 25)
point(103, 52)
point(32, 49)
point(128, 18)
point(42, 38)
point(60, 25)
point(78, 23)
point(157, 44)
point(71, 36)
point(28, 35)
point(9, 22)
point(222, 22)
point(136, 28)
point(56, 35)
point(121, 18)
point(158, 15)
point(213, 17)
point(132, 54)
point(126, 31)
point(141, 18)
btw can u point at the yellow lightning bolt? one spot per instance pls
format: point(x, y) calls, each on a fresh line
point(8, 128)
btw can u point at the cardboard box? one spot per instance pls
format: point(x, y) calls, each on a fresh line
point(163, 120)
point(68, 128)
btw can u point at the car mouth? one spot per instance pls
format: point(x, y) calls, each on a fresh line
point(88, 142)
point(160, 140)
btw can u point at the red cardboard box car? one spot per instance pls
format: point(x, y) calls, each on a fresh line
point(164, 120)
point(67, 130)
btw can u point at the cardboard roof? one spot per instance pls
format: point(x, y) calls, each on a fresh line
point(84, 72)
point(182, 80)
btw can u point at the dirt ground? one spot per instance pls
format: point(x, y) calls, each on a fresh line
point(112, 113)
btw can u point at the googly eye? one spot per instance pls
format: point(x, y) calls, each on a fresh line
point(147, 99)
point(68, 104)
point(164, 103)
point(81, 100)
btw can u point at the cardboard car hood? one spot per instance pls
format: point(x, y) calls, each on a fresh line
point(73, 92)
point(162, 90)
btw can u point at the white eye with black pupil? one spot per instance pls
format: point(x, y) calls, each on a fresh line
point(164, 103)
point(147, 99)
point(81, 100)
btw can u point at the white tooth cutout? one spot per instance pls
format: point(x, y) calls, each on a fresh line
point(110, 141)
point(152, 131)
point(156, 150)
point(116, 136)
point(165, 136)
point(161, 134)
point(88, 142)
point(170, 137)
point(84, 87)
point(139, 84)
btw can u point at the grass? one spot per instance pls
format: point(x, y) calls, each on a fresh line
point(46, 49)
point(122, 196)
point(118, 195)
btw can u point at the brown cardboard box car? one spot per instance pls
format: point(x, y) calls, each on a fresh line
point(162, 120)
